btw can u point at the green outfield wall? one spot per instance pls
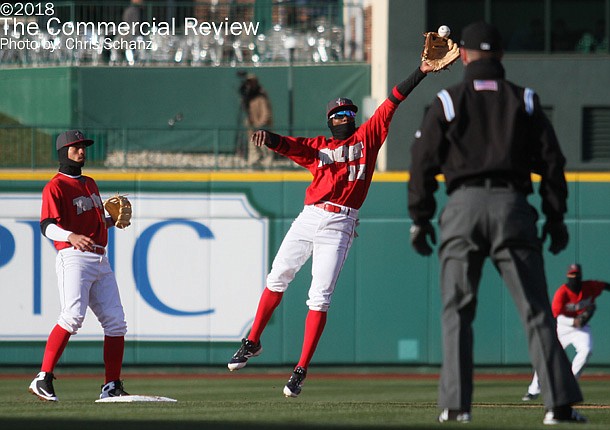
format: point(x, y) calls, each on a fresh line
point(146, 97)
point(386, 306)
point(161, 109)
point(134, 110)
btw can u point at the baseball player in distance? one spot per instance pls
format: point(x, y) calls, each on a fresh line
point(573, 306)
point(342, 167)
point(72, 215)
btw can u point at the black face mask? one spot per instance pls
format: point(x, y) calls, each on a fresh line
point(342, 131)
point(574, 284)
point(67, 166)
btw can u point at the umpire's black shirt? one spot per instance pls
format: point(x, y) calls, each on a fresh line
point(486, 127)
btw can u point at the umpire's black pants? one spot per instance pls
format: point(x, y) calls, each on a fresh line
point(478, 222)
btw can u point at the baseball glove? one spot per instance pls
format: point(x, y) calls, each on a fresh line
point(439, 52)
point(582, 319)
point(119, 209)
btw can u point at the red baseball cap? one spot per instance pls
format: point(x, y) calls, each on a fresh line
point(574, 270)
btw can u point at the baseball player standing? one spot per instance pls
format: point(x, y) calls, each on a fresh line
point(342, 169)
point(573, 306)
point(486, 135)
point(72, 215)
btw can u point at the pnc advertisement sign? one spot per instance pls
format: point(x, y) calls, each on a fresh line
point(190, 267)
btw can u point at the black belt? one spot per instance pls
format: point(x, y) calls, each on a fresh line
point(97, 249)
point(487, 183)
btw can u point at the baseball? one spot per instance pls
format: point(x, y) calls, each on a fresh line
point(444, 31)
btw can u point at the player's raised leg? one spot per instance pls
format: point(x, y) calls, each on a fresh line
point(295, 250)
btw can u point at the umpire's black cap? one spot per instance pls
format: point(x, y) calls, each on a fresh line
point(341, 103)
point(481, 36)
point(72, 137)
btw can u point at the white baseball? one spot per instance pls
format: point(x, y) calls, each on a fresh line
point(444, 31)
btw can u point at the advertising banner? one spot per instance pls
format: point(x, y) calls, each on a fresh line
point(190, 267)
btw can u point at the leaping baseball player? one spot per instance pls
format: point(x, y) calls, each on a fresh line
point(573, 306)
point(342, 169)
point(73, 216)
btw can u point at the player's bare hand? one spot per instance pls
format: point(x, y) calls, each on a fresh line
point(260, 137)
point(425, 67)
point(81, 242)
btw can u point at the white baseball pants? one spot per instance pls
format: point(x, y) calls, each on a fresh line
point(85, 279)
point(325, 235)
point(570, 335)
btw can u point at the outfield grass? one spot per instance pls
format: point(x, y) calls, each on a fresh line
point(252, 399)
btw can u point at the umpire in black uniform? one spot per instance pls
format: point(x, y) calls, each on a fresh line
point(486, 135)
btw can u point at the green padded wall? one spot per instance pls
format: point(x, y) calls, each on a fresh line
point(41, 96)
point(386, 306)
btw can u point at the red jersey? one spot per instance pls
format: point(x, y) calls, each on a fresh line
point(342, 169)
point(77, 206)
point(570, 304)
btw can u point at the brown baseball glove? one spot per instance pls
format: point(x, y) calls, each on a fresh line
point(582, 319)
point(119, 208)
point(439, 52)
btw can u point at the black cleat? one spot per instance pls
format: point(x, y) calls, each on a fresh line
point(113, 389)
point(295, 383)
point(42, 386)
point(248, 349)
point(529, 397)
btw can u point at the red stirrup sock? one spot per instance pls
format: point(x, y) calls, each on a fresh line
point(58, 339)
point(113, 357)
point(314, 326)
point(267, 304)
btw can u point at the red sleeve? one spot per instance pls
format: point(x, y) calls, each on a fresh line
point(377, 126)
point(595, 287)
point(301, 150)
point(51, 202)
point(559, 301)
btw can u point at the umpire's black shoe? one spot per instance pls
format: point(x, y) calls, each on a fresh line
point(455, 416)
point(563, 415)
point(113, 389)
point(248, 349)
point(295, 383)
point(42, 386)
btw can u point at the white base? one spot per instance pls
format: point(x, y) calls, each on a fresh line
point(135, 398)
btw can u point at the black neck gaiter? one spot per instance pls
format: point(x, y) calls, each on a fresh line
point(574, 284)
point(67, 166)
point(342, 131)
